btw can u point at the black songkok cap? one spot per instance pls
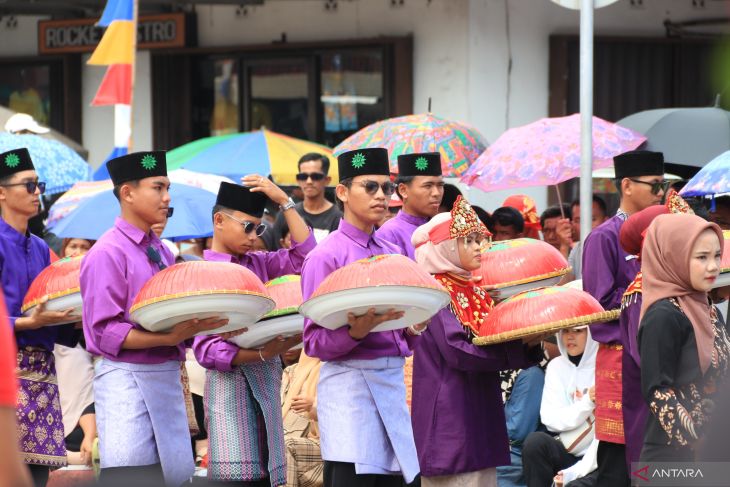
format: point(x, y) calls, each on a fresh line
point(136, 166)
point(14, 161)
point(240, 198)
point(363, 162)
point(419, 164)
point(637, 163)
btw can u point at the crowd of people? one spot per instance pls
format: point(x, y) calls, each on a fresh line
point(416, 406)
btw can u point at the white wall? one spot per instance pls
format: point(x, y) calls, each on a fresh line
point(460, 53)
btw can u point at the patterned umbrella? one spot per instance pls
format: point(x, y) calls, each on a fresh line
point(80, 192)
point(458, 143)
point(714, 178)
point(546, 152)
point(236, 155)
point(56, 164)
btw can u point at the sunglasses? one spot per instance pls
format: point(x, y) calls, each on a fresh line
point(155, 257)
point(315, 176)
point(371, 187)
point(656, 186)
point(248, 227)
point(29, 186)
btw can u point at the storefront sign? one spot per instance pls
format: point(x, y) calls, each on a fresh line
point(82, 35)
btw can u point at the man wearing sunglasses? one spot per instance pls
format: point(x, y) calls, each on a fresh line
point(317, 211)
point(607, 272)
point(140, 411)
point(365, 431)
point(421, 187)
point(22, 257)
point(234, 372)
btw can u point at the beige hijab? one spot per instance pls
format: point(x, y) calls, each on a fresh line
point(306, 376)
point(665, 265)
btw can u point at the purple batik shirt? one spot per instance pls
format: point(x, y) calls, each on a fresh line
point(607, 272)
point(344, 246)
point(399, 230)
point(211, 351)
point(112, 273)
point(22, 258)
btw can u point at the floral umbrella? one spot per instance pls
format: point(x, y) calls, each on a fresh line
point(546, 152)
point(712, 179)
point(458, 143)
point(56, 164)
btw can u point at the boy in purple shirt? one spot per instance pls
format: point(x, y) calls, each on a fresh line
point(242, 386)
point(366, 436)
point(421, 187)
point(22, 257)
point(140, 412)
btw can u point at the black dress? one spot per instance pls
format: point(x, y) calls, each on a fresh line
point(679, 396)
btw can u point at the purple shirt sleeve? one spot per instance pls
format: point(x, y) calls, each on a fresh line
point(600, 265)
point(459, 353)
point(212, 352)
point(103, 290)
point(321, 342)
point(288, 261)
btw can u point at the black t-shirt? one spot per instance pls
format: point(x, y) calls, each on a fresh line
point(322, 223)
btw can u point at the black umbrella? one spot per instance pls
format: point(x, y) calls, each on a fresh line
point(688, 137)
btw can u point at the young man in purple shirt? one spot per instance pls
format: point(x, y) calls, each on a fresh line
point(140, 412)
point(242, 386)
point(22, 257)
point(366, 437)
point(421, 187)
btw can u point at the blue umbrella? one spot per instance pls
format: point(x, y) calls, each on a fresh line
point(94, 216)
point(712, 179)
point(56, 164)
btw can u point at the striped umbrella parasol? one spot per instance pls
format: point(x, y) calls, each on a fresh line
point(236, 155)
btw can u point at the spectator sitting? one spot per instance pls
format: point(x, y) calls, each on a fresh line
point(319, 213)
point(299, 412)
point(506, 223)
point(522, 394)
point(566, 410)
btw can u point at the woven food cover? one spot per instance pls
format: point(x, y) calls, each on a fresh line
point(520, 261)
point(542, 310)
point(381, 282)
point(58, 280)
point(380, 270)
point(286, 291)
point(201, 289)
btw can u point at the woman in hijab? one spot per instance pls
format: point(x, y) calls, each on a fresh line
point(304, 466)
point(457, 412)
point(683, 345)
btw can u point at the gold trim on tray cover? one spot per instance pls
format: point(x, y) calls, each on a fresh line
point(558, 273)
point(60, 294)
point(547, 327)
point(188, 294)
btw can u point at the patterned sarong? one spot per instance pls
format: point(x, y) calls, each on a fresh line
point(39, 409)
point(243, 419)
point(609, 413)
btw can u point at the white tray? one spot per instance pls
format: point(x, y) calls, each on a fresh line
point(509, 291)
point(63, 303)
point(419, 305)
point(242, 310)
point(263, 331)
